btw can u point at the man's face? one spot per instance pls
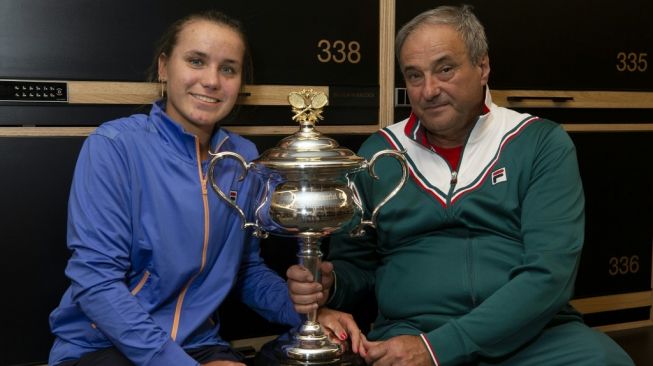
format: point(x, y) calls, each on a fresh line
point(444, 87)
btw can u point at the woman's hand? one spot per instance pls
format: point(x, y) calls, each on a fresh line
point(340, 326)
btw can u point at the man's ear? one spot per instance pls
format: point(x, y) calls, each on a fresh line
point(484, 64)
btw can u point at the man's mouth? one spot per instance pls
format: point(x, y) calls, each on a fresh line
point(435, 106)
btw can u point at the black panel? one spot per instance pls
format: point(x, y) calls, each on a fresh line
point(561, 44)
point(65, 115)
point(335, 44)
point(573, 115)
point(94, 115)
point(36, 175)
point(114, 39)
point(618, 183)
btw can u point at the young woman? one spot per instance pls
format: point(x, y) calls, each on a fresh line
point(154, 251)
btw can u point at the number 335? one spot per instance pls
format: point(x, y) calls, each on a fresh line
point(632, 61)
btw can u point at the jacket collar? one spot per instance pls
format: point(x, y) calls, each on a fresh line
point(416, 131)
point(175, 135)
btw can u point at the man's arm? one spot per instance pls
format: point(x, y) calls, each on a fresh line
point(552, 226)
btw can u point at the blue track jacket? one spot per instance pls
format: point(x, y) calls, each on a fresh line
point(154, 250)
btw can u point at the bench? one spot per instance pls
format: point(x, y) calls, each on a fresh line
point(635, 337)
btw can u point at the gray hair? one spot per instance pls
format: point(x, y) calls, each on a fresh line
point(461, 18)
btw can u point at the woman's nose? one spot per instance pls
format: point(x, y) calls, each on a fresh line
point(211, 79)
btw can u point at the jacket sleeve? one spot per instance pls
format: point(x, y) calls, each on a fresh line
point(258, 286)
point(552, 227)
point(355, 259)
point(99, 236)
point(263, 290)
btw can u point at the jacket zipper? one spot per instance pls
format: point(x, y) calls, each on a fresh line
point(469, 257)
point(205, 202)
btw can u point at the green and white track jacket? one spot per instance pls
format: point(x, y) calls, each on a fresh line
point(479, 261)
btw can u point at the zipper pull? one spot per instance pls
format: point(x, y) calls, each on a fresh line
point(454, 178)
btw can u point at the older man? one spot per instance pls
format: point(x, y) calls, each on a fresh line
point(474, 261)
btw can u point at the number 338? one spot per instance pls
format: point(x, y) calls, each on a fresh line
point(339, 51)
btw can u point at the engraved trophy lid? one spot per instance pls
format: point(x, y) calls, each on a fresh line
point(308, 148)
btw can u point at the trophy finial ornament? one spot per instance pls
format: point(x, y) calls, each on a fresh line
point(307, 105)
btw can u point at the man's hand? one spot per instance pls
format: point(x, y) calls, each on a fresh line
point(340, 326)
point(405, 350)
point(306, 294)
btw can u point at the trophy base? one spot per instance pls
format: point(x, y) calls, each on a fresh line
point(310, 346)
point(291, 352)
point(295, 354)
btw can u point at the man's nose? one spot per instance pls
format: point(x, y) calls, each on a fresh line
point(431, 87)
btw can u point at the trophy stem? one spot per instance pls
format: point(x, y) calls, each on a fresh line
point(310, 256)
point(311, 345)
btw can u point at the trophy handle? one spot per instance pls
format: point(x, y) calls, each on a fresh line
point(400, 156)
point(214, 160)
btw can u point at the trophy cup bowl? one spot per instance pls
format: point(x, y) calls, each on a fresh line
point(309, 194)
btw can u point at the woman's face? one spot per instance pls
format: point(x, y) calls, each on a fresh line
point(203, 75)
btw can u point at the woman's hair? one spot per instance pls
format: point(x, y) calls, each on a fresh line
point(169, 39)
point(461, 18)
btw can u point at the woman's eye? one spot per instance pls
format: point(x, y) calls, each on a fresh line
point(228, 70)
point(195, 62)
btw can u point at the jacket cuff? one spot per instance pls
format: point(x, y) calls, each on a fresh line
point(451, 347)
point(172, 354)
point(427, 344)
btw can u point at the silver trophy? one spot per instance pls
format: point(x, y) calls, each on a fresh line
point(309, 194)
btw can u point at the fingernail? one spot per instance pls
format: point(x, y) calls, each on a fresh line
point(343, 336)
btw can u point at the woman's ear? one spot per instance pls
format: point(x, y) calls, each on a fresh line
point(162, 71)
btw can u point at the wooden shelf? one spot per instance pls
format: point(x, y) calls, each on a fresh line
point(47, 131)
point(599, 304)
point(114, 92)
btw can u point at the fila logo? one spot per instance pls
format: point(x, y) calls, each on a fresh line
point(499, 176)
point(233, 195)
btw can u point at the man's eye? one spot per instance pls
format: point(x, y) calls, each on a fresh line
point(446, 72)
point(412, 77)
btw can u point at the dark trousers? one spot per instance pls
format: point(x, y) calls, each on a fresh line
point(113, 357)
